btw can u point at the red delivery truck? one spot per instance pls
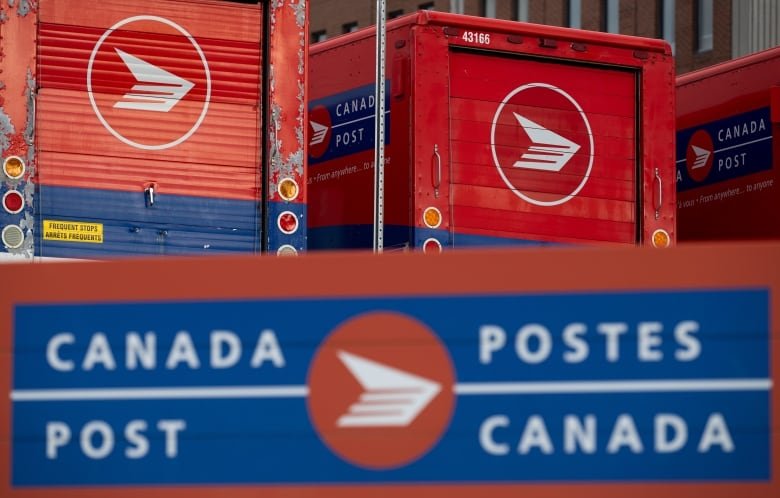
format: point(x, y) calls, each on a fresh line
point(498, 133)
point(152, 127)
point(728, 145)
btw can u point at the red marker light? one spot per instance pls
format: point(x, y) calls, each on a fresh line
point(432, 246)
point(13, 201)
point(287, 222)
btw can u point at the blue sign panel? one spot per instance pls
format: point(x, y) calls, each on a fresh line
point(343, 124)
point(725, 149)
point(507, 388)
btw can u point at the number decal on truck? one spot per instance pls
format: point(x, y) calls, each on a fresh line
point(475, 37)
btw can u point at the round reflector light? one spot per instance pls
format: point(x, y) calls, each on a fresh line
point(13, 202)
point(431, 246)
point(13, 167)
point(287, 222)
point(432, 217)
point(286, 250)
point(288, 189)
point(661, 238)
point(12, 236)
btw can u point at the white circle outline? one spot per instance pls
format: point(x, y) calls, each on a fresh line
point(495, 156)
point(279, 188)
point(425, 221)
point(5, 167)
point(279, 223)
point(116, 134)
point(286, 250)
point(6, 230)
point(429, 239)
point(5, 196)
point(668, 238)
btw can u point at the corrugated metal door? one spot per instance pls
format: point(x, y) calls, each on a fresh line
point(148, 127)
point(542, 151)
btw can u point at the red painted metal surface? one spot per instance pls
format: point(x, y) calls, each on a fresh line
point(456, 84)
point(17, 111)
point(129, 147)
point(198, 103)
point(732, 206)
point(484, 81)
point(287, 96)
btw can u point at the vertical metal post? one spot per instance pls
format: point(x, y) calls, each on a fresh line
point(379, 128)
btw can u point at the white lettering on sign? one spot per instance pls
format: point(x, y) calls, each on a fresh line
point(741, 130)
point(349, 137)
point(535, 343)
point(732, 161)
point(355, 105)
point(97, 438)
point(580, 435)
point(225, 350)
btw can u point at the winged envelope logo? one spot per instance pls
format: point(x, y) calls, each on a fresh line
point(702, 155)
point(549, 151)
point(161, 93)
point(320, 131)
point(391, 397)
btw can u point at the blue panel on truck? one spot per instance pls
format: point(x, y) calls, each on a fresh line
point(174, 224)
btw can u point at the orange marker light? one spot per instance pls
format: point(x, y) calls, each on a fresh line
point(288, 189)
point(661, 238)
point(432, 217)
point(13, 167)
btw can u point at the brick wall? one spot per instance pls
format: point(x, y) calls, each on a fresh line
point(637, 17)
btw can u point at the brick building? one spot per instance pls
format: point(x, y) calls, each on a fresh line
point(702, 32)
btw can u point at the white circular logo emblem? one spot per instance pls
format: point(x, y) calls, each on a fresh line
point(151, 96)
point(542, 144)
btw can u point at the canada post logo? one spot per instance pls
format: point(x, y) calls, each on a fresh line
point(664, 386)
point(380, 406)
point(542, 144)
point(699, 155)
point(344, 123)
point(130, 84)
point(724, 150)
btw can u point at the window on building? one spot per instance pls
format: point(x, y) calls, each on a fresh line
point(426, 6)
point(522, 10)
point(456, 6)
point(489, 8)
point(319, 36)
point(395, 13)
point(575, 14)
point(667, 21)
point(704, 25)
point(612, 16)
point(349, 27)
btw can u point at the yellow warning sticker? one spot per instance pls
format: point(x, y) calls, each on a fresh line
point(73, 231)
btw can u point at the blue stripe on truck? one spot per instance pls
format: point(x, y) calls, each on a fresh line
point(175, 224)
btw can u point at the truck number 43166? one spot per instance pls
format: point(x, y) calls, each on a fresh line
point(474, 37)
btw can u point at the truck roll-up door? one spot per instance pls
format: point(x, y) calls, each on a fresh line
point(542, 151)
point(148, 128)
